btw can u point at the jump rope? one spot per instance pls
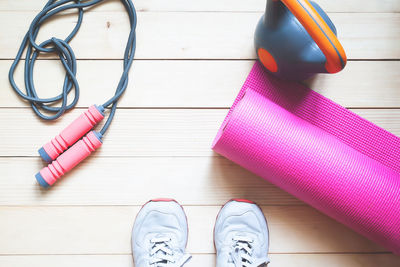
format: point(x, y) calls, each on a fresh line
point(68, 148)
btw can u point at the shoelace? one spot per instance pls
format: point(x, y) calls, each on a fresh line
point(242, 253)
point(161, 254)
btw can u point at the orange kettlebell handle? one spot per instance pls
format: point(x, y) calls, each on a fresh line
point(320, 32)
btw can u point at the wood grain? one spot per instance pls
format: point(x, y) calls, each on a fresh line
point(201, 260)
point(200, 83)
point(107, 230)
point(220, 6)
point(192, 58)
point(180, 35)
point(142, 132)
point(127, 181)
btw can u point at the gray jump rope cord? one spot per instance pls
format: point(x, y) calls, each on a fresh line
point(68, 59)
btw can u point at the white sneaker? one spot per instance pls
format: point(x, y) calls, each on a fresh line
point(241, 235)
point(160, 234)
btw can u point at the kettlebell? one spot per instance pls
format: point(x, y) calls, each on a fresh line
point(295, 39)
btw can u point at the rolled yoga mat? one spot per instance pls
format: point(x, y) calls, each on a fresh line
point(322, 153)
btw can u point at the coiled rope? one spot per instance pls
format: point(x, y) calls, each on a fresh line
point(44, 106)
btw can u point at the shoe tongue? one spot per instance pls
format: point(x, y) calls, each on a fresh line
point(237, 253)
point(160, 253)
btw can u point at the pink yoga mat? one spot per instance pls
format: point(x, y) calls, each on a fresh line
point(322, 153)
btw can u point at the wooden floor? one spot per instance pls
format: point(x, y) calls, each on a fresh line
point(192, 57)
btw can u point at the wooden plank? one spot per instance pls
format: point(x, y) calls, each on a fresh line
point(107, 230)
point(70, 260)
point(112, 181)
point(139, 132)
point(201, 260)
point(220, 6)
point(180, 35)
point(329, 260)
point(142, 132)
point(200, 83)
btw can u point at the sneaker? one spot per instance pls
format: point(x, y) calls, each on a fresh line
point(160, 234)
point(241, 235)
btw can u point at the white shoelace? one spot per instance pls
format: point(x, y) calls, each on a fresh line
point(161, 254)
point(242, 253)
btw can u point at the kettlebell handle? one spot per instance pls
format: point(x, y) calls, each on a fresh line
point(320, 32)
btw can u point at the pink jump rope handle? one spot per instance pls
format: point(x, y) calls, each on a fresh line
point(78, 128)
point(69, 159)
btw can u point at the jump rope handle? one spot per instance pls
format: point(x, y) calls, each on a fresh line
point(72, 133)
point(69, 159)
